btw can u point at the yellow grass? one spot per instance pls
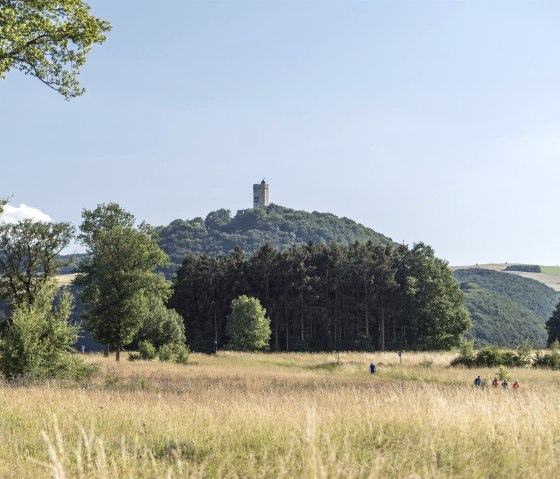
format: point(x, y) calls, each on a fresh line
point(286, 415)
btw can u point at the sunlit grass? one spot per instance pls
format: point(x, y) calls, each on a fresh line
point(283, 415)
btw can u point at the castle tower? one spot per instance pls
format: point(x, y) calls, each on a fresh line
point(260, 195)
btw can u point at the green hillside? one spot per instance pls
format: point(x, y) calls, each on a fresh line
point(499, 321)
point(528, 293)
point(506, 309)
point(249, 229)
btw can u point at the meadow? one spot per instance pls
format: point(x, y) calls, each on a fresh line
point(239, 415)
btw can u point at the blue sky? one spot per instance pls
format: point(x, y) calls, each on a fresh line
point(427, 121)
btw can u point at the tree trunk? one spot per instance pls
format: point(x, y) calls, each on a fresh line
point(118, 353)
point(106, 351)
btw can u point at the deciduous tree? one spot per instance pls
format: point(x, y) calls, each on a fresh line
point(49, 39)
point(248, 327)
point(29, 256)
point(118, 274)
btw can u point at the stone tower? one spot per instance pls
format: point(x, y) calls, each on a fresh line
point(260, 195)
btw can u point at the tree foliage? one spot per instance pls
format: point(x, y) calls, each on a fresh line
point(250, 229)
point(49, 39)
point(37, 343)
point(248, 327)
point(118, 274)
point(320, 297)
point(553, 326)
point(161, 325)
point(29, 256)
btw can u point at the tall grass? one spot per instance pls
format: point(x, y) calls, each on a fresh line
point(286, 415)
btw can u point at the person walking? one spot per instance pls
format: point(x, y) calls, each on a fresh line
point(505, 384)
point(495, 382)
point(477, 381)
point(372, 368)
point(515, 385)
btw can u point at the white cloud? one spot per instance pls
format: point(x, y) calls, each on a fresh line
point(13, 214)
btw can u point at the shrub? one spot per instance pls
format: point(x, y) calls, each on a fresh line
point(38, 340)
point(181, 354)
point(134, 356)
point(165, 352)
point(147, 350)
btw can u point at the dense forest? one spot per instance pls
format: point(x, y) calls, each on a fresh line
point(249, 229)
point(362, 296)
point(506, 309)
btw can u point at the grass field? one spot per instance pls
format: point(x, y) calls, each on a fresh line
point(287, 415)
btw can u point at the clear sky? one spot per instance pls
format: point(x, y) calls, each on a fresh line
point(426, 121)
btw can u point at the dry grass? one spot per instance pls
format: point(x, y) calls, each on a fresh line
point(286, 415)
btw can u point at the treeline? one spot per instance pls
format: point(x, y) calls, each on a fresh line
point(362, 296)
point(525, 268)
point(220, 232)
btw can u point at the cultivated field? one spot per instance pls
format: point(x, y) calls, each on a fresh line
point(283, 415)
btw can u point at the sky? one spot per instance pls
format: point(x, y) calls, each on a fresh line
point(434, 121)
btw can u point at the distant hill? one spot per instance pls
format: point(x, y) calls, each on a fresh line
point(549, 275)
point(499, 321)
point(505, 308)
point(249, 229)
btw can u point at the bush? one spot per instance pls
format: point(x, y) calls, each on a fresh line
point(134, 356)
point(491, 357)
point(165, 352)
point(147, 350)
point(38, 340)
point(181, 354)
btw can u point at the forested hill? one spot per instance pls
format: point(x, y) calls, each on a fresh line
point(506, 309)
point(249, 229)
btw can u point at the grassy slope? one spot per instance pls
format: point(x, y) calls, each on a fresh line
point(289, 415)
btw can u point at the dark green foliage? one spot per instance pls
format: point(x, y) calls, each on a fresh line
point(326, 297)
point(553, 326)
point(38, 340)
point(526, 268)
point(499, 321)
point(249, 229)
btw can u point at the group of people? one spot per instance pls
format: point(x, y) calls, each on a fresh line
point(496, 383)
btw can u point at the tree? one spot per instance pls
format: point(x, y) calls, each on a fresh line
point(38, 341)
point(553, 326)
point(162, 325)
point(118, 274)
point(49, 39)
point(29, 256)
point(248, 327)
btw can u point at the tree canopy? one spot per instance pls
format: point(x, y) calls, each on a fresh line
point(49, 39)
point(248, 327)
point(118, 274)
point(250, 229)
point(29, 256)
point(319, 297)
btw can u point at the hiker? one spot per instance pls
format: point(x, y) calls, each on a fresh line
point(505, 384)
point(515, 385)
point(495, 383)
point(477, 381)
point(372, 368)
